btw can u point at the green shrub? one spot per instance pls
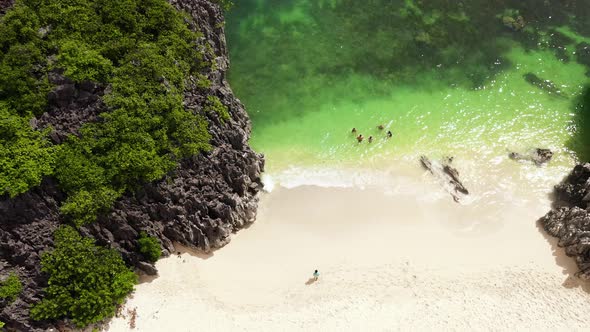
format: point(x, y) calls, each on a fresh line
point(10, 288)
point(23, 80)
point(82, 63)
point(83, 206)
point(225, 4)
point(86, 282)
point(215, 105)
point(149, 247)
point(144, 50)
point(25, 154)
point(1, 324)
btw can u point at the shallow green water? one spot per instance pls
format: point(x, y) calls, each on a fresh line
point(446, 79)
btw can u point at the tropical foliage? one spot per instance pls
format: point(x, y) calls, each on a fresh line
point(86, 281)
point(149, 247)
point(10, 288)
point(145, 50)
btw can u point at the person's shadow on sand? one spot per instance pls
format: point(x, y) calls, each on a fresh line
point(311, 280)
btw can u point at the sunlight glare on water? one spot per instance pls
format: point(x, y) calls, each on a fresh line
point(445, 79)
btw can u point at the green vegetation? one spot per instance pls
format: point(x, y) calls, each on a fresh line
point(215, 105)
point(149, 247)
point(144, 50)
point(10, 288)
point(225, 4)
point(1, 324)
point(82, 63)
point(25, 154)
point(86, 282)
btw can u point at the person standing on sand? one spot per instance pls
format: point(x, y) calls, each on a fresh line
point(316, 275)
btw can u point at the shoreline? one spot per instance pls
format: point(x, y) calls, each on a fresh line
point(387, 260)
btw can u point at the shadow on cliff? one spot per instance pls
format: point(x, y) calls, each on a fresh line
point(568, 264)
point(580, 141)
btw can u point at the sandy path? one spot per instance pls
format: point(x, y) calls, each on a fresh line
point(387, 261)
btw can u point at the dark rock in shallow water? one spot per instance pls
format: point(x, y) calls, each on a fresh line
point(559, 43)
point(514, 23)
point(583, 54)
point(199, 204)
point(448, 175)
point(570, 222)
point(545, 85)
point(538, 156)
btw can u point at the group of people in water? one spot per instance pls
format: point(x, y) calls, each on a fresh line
point(360, 137)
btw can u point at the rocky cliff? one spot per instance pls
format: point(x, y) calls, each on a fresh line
point(569, 221)
point(200, 204)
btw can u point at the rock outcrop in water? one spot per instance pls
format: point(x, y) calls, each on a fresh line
point(200, 204)
point(583, 54)
point(515, 23)
point(447, 175)
point(570, 220)
point(545, 85)
point(537, 156)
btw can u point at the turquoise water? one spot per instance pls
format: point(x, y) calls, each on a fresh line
point(445, 78)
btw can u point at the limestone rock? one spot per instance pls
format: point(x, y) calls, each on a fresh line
point(570, 222)
point(199, 204)
point(447, 175)
point(537, 156)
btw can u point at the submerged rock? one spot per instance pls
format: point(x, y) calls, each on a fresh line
point(545, 85)
point(583, 54)
point(448, 175)
point(538, 156)
point(514, 23)
point(512, 19)
point(570, 222)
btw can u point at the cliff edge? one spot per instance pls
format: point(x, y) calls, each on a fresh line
point(199, 204)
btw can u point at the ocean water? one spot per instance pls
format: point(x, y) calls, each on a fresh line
point(446, 78)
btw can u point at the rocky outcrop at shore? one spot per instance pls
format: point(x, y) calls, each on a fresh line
point(447, 175)
point(200, 204)
point(569, 221)
point(537, 156)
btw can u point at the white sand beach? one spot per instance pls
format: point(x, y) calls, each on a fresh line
point(408, 258)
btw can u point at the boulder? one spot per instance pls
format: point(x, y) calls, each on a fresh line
point(537, 156)
point(447, 175)
point(569, 221)
point(147, 268)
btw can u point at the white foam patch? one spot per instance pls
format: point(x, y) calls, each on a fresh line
point(487, 180)
point(391, 182)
